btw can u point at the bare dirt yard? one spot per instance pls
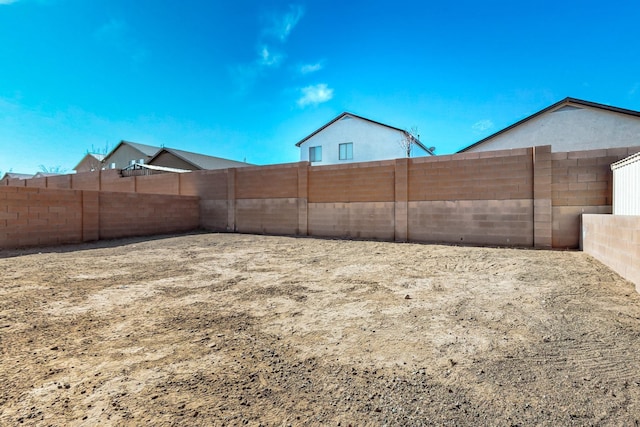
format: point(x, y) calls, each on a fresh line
point(227, 329)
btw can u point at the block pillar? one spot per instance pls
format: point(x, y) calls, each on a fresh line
point(542, 208)
point(231, 199)
point(303, 198)
point(401, 200)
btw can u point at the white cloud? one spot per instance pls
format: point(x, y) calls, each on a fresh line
point(482, 125)
point(275, 32)
point(7, 1)
point(314, 95)
point(311, 68)
point(634, 89)
point(269, 58)
point(282, 25)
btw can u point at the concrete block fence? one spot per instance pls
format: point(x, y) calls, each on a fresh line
point(31, 216)
point(527, 197)
point(615, 241)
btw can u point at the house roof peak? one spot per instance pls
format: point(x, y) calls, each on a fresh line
point(346, 113)
point(562, 103)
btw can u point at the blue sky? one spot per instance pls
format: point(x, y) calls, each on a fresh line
point(247, 79)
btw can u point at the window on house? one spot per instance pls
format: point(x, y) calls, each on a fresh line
point(315, 154)
point(346, 151)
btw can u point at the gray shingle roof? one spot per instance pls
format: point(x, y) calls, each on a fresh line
point(16, 175)
point(147, 150)
point(201, 161)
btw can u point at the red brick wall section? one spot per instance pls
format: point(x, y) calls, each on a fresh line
point(37, 217)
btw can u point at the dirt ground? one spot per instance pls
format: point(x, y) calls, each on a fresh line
point(227, 329)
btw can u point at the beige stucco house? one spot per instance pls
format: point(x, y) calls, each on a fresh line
point(569, 125)
point(90, 162)
point(127, 153)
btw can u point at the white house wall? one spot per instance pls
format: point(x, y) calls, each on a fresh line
point(371, 142)
point(570, 129)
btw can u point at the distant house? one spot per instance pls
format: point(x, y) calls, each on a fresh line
point(132, 156)
point(127, 153)
point(45, 174)
point(90, 162)
point(179, 159)
point(350, 138)
point(569, 125)
point(14, 175)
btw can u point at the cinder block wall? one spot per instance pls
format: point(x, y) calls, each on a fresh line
point(212, 188)
point(168, 183)
point(582, 184)
point(615, 241)
point(31, 216)
point(136, 214)
point(266, 199)
point(355, 200)
point(59, 181)
point(520, 197)
point(478, 198)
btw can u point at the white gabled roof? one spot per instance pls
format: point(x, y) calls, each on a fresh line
point(346, 114)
